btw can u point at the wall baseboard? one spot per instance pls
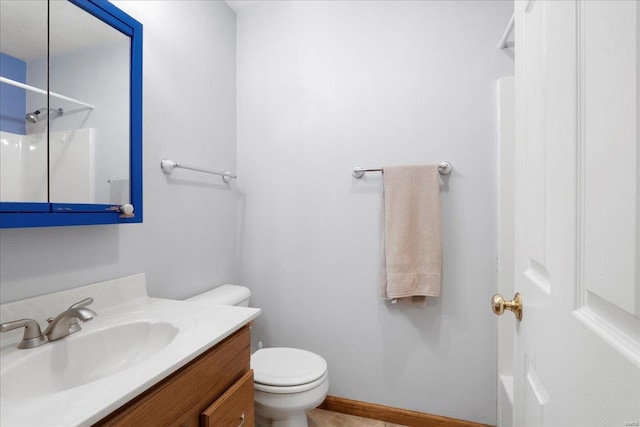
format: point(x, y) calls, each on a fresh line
point(392, 415)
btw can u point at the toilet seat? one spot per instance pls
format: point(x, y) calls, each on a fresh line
point(292, 388)
point(287, 370)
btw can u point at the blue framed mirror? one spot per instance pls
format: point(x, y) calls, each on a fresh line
point(70, 114)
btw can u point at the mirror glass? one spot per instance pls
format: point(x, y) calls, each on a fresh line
point(86, 116)
point(89, 143)
point(23, 153)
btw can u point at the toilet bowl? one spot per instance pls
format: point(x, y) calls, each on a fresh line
point(287, 381)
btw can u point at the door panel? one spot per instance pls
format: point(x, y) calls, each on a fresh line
point(577, 358)
point(536, 147)
point(608, 117)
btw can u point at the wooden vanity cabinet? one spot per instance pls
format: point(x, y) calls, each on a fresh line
point(216, 389)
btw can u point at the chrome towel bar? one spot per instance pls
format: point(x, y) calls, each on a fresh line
point(444, 168)
point(167, 166)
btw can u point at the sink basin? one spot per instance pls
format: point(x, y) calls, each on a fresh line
point(82, 358)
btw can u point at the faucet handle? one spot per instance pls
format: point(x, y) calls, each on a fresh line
point(32, 334)
point(85, 302)
point(74, 326)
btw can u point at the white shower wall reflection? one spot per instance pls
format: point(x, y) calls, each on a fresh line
point(71, 166)
point(23, 167)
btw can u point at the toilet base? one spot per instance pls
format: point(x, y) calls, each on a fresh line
point(287, 410)
point(294, 420)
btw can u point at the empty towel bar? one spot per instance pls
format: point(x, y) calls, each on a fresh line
point(167, 166)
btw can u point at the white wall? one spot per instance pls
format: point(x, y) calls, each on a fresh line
point(323, 87)
point(188, 239)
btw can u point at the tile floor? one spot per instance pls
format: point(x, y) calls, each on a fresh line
point(321, 418)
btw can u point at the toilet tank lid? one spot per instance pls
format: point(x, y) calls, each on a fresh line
point(226, 294)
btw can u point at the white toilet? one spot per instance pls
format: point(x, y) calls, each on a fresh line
point(287, 381)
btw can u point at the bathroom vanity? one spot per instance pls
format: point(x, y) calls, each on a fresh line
point(216, 389)
point(140, 361)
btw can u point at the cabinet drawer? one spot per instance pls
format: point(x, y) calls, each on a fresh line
point(234, 408)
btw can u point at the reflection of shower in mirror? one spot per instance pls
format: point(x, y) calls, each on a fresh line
point(35, 116)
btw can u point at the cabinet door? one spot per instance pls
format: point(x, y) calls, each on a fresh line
point(234, 408)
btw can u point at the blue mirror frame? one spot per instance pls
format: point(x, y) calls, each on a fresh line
point(19, 215)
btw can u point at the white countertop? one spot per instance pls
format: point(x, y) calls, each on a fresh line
point(200, 328)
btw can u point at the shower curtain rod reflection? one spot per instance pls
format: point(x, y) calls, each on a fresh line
point(167, 166)
point(444, 168)
point(44, 92)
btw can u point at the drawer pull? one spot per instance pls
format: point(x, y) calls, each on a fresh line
point(241, 420)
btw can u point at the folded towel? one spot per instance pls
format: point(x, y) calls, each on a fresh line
point(411, 238)
point(118, 191)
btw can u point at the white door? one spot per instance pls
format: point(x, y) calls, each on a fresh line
point(577, 228)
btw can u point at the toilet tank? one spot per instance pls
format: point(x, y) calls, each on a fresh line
point(226, 294)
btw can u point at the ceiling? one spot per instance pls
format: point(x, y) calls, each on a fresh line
point(23, 29)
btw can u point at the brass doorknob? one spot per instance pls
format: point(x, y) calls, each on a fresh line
point(499, 305)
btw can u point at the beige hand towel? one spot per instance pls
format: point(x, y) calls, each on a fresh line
point(411, 249)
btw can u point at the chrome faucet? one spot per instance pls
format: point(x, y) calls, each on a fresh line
point(59, 327)
point(66, 322)
point(32, 335)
